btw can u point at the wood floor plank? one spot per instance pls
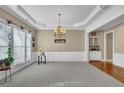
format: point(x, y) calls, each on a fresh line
point(111, 69)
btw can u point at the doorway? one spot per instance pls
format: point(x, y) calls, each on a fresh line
point(109, 46)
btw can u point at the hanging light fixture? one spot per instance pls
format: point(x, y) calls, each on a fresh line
point(59, 31)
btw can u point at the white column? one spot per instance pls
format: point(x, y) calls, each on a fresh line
point(86, 46)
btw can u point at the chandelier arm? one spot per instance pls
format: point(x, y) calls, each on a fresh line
point(59, 31)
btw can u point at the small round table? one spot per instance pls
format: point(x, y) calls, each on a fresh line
point(6, 69)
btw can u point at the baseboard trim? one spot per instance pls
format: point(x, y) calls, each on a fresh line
point(107, 60)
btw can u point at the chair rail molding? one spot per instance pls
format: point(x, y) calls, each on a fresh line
point(64, 56)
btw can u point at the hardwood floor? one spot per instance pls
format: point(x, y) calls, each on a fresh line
point(113, 70)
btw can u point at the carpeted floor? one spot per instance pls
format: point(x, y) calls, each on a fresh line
point(62, 74)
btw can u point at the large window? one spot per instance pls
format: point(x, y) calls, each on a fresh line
point(21, 43)
point(28, 46)
point(19, 46)
point(4, 32)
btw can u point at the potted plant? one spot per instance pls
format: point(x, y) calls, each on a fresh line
point(6, 62)
point(9, 58)
point(2, 63)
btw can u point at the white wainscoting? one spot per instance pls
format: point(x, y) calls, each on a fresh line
point(118, 59)
point(65, 56)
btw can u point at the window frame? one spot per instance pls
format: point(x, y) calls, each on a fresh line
point(11, 31)
point(26, 31)
point(3, 21)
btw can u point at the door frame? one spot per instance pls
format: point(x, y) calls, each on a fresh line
point(105, 48)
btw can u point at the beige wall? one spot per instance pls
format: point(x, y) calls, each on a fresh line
point(45, 39)
point(118, 38)
point(74, 41)
point(6, 15)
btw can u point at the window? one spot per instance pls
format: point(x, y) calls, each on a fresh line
point(4, 32)
point(19, 46)
point(28, 46)
point(21, 43)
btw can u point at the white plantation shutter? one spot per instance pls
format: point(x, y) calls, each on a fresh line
point(28, 46)
point(21, 42)
point(19, 46)
point(4, 32)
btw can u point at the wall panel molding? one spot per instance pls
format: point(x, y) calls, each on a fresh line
point(118, 59)
point(64, 56)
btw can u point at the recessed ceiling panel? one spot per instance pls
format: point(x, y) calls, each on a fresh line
point(48, 14)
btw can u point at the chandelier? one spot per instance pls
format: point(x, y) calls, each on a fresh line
point(59, 31)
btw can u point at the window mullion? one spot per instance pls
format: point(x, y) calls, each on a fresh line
point(25, 45)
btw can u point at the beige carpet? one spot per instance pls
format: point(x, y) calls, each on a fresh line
point(62, 74)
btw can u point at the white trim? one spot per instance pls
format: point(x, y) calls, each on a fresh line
point(64, 56)
point(105, 49)
point(118, 59)
point(13, 11)
point(95, 55)
point(107, 60)
point(111, 14)
point(92, 14)
point(86, 46)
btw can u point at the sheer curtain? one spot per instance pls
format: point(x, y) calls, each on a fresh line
point(19, 46)
point(4, 32)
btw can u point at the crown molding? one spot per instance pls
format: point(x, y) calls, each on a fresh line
point(91, 15)
point(107, 17)
point(22, 15)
